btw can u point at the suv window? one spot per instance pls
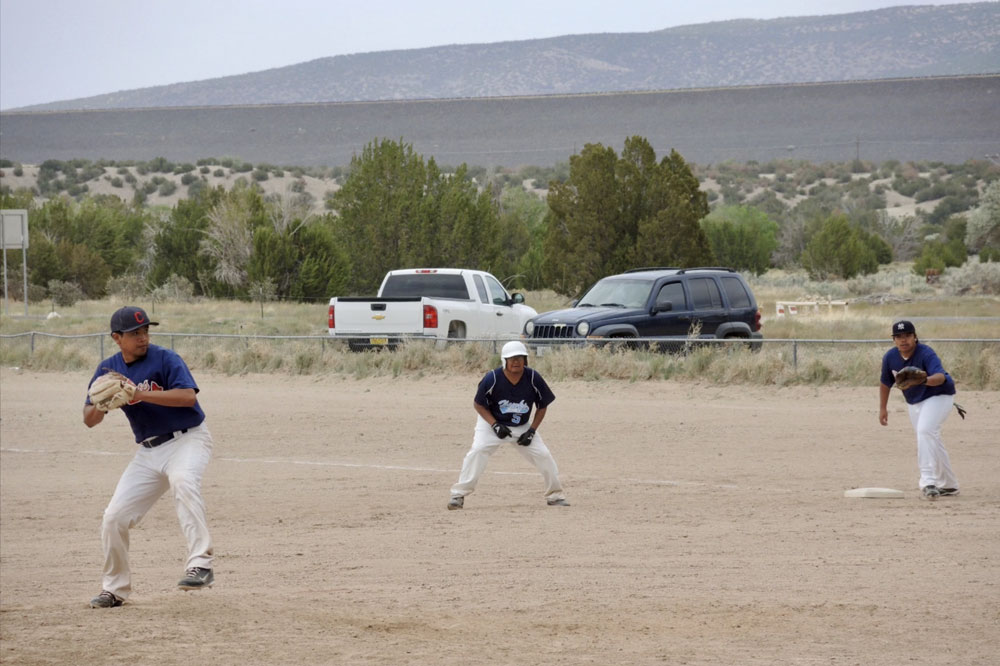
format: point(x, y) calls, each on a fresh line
point(674, 293)
point(705, 294)
point(628, 293)
point(736, 293)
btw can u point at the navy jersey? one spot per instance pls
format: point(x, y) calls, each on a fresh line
point(509, 403)
point(924, 358)
point(160, 369)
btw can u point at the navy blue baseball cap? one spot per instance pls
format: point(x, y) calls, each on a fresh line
point(903, 327)
point(130, 318)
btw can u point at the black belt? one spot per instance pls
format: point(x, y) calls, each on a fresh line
point(153, 442)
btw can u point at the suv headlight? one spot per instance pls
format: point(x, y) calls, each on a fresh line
point(582, 329)
point(529, 327)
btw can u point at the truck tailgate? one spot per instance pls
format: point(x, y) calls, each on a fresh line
point(379, 316)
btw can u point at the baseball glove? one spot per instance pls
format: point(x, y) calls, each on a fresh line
point(111, 391)
point(909, 377)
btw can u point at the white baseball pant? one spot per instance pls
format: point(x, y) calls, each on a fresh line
point(485, 443)
point(179, 465)
point(927, 418)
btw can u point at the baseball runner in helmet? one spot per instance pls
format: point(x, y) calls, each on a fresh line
point(503, 403)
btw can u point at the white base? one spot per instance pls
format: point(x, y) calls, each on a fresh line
point(879, 493)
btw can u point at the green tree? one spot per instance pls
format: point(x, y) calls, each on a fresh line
point(177, 241)
point(380, 211)
point(613, 213)
point(584, 228)
point(522, 230)
point(838, 251)
point(325, 267)
point(65, 235)
point(741, 237)
point(83, 267)
point(878, 245)
point(396, 210)
point(470, 226)
point(939, 254)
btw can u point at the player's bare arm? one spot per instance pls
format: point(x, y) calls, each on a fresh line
point(936, 379)
point(92, 416)
point(484, 412)
point(178, 397)
point(539, 415)
point(883, 402)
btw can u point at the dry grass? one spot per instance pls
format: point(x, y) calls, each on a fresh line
point(797, 350)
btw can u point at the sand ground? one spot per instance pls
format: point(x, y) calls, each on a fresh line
point(707, 526)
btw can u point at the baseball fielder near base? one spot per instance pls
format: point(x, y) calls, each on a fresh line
point(929, 403)
point(503, 404)
point(174, 448)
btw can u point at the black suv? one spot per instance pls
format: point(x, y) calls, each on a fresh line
point(673, 303)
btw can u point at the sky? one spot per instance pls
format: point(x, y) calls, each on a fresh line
point(53, 50)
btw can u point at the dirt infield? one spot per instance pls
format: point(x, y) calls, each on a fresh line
point(707, 526)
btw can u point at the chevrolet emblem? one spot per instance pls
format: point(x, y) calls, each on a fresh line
point(378, 317)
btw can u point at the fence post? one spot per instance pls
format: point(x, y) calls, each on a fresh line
point(32, 343)
point(795, 355)
point(101, 338)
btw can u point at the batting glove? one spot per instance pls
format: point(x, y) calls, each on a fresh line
point(501, 430)
point(526, 437)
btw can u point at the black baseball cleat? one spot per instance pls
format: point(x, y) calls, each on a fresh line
point(196, 578)
point(456, 503)
point(931, 492)
point(106, 600)
point(557, 502)
point(948, 491)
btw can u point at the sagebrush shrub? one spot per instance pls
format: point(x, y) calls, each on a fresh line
point(973, 278)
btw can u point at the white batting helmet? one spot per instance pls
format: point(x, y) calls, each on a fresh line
point(512, 349)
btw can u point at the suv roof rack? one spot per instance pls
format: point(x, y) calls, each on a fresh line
point(652, 268)
point(707, 268)
point(680, 270)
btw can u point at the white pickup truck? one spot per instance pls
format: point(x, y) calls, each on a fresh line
point(434, 303)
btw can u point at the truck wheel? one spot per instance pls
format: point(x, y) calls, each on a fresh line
point(456, 330)
point(733, 336)
point(623, 345)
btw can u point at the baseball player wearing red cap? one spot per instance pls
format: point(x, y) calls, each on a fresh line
point(929, 404)
point(503, 405)
point(174, 447)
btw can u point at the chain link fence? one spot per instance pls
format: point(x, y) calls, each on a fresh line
point(792, 351)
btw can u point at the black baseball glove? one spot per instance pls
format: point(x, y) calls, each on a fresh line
point(502, 431)
point(526, 437)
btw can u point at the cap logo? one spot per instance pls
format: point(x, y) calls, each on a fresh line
point(900, 326)
point(138, 318)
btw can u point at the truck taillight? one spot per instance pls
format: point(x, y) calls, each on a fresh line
point(330, 320)
point(756, 319)
point(430, 316)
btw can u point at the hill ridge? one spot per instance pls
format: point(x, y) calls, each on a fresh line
point(895, 42)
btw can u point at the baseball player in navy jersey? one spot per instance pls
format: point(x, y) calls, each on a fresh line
point(929, 405)
point(503, 404)
point(174, 447)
